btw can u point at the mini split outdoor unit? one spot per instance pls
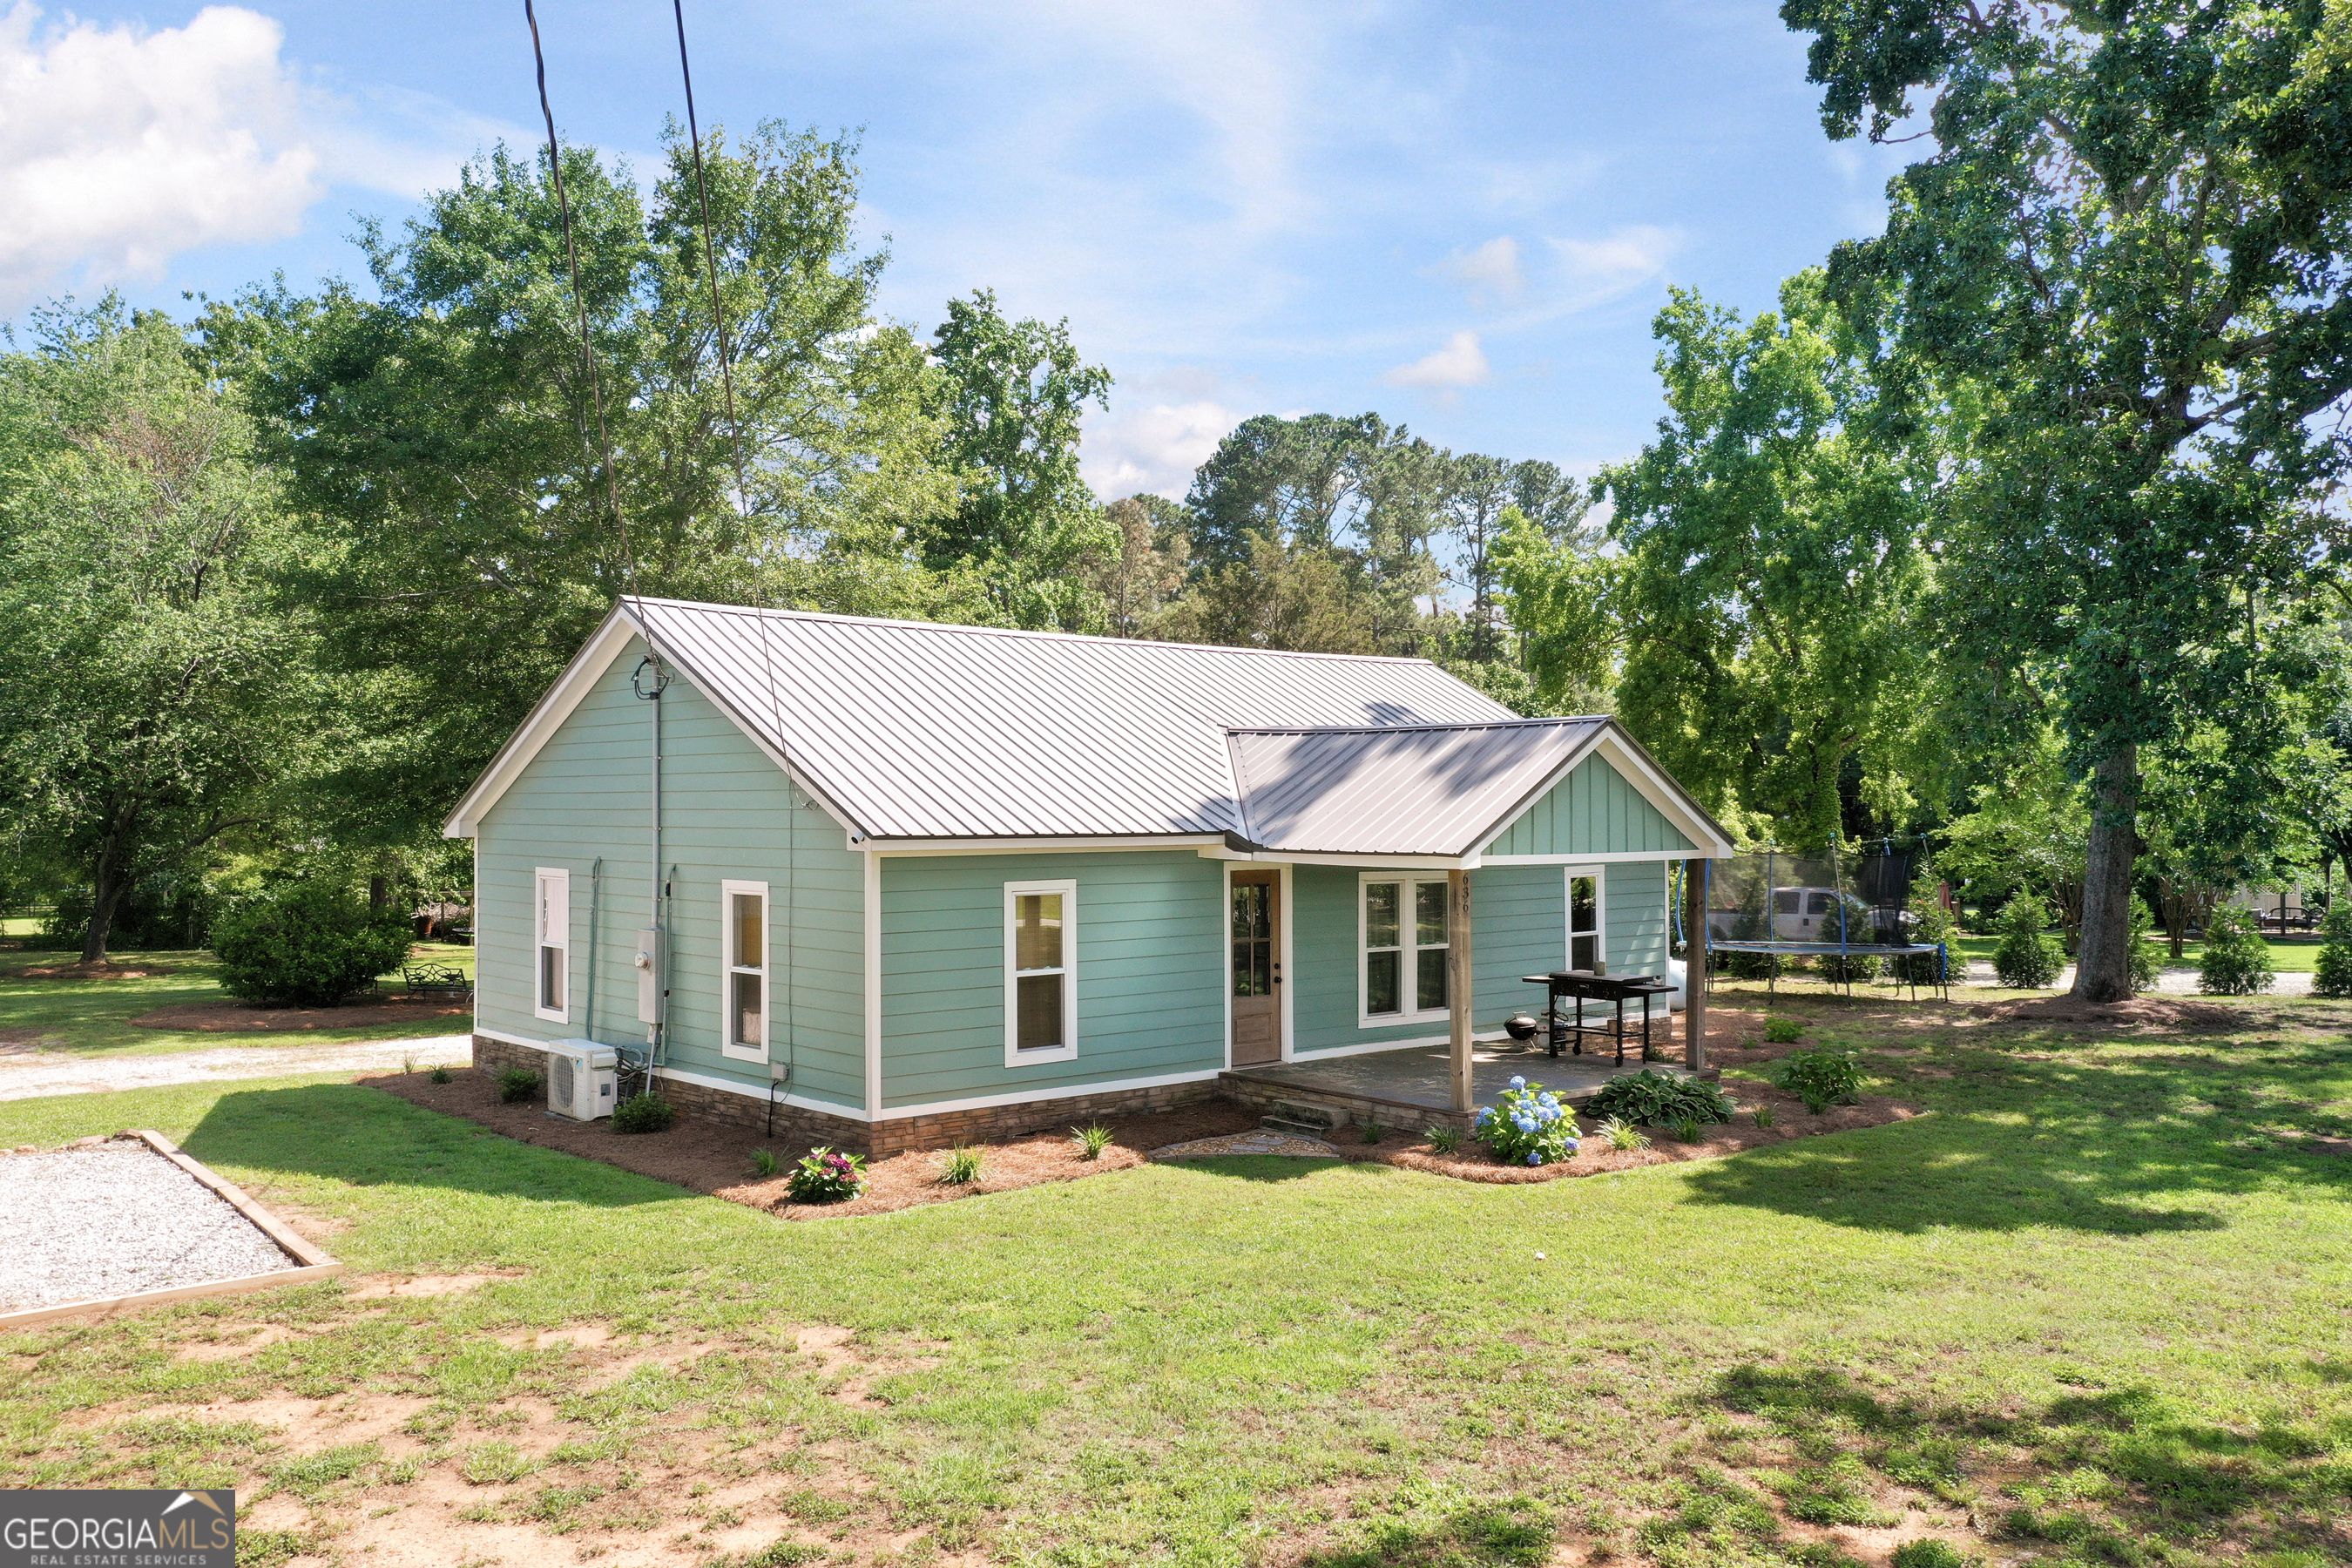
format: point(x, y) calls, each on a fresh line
point(580, 1075)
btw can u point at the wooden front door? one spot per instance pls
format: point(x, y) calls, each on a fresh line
point(1257, 967)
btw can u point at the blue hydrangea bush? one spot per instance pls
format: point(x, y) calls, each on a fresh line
point(1527, 1125)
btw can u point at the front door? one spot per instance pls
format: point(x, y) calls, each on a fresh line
point(1257, 967)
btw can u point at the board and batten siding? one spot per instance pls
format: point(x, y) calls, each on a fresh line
point(1151, 964)
point(729, 812)
point(1593, 811)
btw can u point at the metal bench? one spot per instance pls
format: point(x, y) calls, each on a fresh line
point(437, 980)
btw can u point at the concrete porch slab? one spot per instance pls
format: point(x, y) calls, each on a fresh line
point(1409, 1087)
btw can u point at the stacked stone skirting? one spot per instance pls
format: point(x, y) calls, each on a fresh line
point(796, 1125)
point(1342, 1109)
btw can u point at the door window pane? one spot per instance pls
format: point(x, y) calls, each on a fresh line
point(1381, 982)
point(1381, 914)
point(1429, 988)
point(750, 940)
point(1037, 932)
point(1040, 1007)
point(743, 1016)
point(1429, 914)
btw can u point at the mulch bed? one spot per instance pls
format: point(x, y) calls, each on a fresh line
point(2140, 1012)
point(104, 970)
point(231, 1017)
point(715, 1157)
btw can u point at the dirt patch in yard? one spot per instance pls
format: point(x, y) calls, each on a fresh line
point(715, 1157)
point(102, 969)
point(230, 1017)
point(2140, 1013)
point(1791, 1121)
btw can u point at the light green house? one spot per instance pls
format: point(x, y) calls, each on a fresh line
point(915, 883)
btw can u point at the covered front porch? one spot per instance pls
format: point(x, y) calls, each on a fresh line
point(1412, 1088)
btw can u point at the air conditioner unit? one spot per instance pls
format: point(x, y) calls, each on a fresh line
point(581, 1077)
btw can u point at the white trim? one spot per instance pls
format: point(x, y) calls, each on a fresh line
point(1408, 951)
point(731, 963)
point(873, 895)
point(755, 1091)
point(1285, 858)
point(1599, 875)
point(1225, 946)
point(1014, 1057)
point(1054, 846)
point(1618, 857)
point(1026, 1096)
point(1281, 957)
point(543, 877)
point(1288, 924)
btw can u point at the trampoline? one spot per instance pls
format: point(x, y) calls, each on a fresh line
point(1849, 908)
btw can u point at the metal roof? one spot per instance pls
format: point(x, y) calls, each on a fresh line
point(919, 731)
point(1397, 790)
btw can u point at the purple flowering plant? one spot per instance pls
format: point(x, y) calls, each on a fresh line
point(827, 1176)
point(1527, 1125)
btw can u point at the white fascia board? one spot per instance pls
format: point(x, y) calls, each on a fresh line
point(1612, 858)
point(571, 689)
point(1061, 845)
point(1362, 862)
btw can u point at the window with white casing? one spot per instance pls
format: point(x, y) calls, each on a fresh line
point(743, 983)
point(1588, 945)
point(1402, 931)
point(1041, 973)
point(551, 924)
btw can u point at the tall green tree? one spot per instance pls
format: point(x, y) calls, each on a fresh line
point(165, 697)
point(444, 439)
point(1767, 602)
point(2129, 234)
point(1013, 395)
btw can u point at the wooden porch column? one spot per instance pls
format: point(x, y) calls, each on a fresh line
point(1458, 996)
point(1694, 965)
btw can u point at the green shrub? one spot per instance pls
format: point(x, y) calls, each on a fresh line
point(1933, 924)
point(519, 1084)
point(1780, 1030)
point(2236, 961)
point(2143, 952)
point(2332, 973)
point(1749, 965)
point(646, 1112)
point(1930, 1554)
point(2028, 958)
point(1527, 1125)
point(1649, 1099)
point(440, 1075)
point(1823, 1078)
point(1850, 968)
point(312, 944)
point(959, 1166)
point(824, 1176)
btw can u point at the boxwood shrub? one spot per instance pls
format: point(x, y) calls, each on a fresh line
point(311, 944)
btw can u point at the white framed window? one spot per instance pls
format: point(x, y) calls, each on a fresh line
point(1402, 935)
point(743, 981)
point(1041, 973)
point(1588, 910)
point(550, 928)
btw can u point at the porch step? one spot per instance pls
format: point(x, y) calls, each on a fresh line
point(1301, 1120)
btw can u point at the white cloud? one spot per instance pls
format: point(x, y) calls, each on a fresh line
point(1155, 448)
point(120, 147)
point(1490, 274)
point(1461, 363)
point(1622, 260)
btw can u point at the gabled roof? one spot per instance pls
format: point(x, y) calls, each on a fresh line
point(908, 730)
point(1435, 790)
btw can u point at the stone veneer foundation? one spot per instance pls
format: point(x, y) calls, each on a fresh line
point(944, 1129)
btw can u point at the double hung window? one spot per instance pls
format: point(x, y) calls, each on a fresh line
point(1040, 971)
point(1585, 948)
point(551, 921)
point(1404, 926)
point(744, 912)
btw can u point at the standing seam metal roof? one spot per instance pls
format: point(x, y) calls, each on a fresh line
point(922, 730)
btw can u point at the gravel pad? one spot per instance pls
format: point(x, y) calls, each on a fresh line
point(78, 1225)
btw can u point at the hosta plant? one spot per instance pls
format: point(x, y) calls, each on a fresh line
point(1650, 1099)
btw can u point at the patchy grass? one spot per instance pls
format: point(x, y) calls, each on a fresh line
point(2088, 1311)
point(92, 1017)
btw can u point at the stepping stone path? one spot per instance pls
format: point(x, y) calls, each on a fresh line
point(1248, 1144)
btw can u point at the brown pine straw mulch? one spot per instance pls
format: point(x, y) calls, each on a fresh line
point(104, 969)
point(715, 1158)
point(225, 1016)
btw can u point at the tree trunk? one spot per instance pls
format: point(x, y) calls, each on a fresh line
point(2103, 966)
point(106, 891)
point(2176, 916)
point(376, 894)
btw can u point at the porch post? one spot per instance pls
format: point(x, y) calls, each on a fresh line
point(1694, 965)
point(1458, 996)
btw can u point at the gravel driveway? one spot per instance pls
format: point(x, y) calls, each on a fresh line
point(34, 1073)
point(115, 1218)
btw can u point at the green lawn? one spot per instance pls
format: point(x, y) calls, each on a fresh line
point(2293, 954)
point(92, 1017)
point(2092, 1308)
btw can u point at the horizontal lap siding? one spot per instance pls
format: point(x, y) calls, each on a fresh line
point(1150, 961)
point(1593, 811)
point(1519, 926)
point(728, 814)
point(1636, 916)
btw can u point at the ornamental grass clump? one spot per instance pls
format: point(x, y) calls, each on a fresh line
point(2029, 958)
point(1823, 1078)
point(1527, 1125)
point(1623, 1136)
point(2236, 961)
point(827, 1176)
point(2331, 970)
point(959, 1166)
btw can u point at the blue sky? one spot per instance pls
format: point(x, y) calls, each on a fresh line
point(1462, 217)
